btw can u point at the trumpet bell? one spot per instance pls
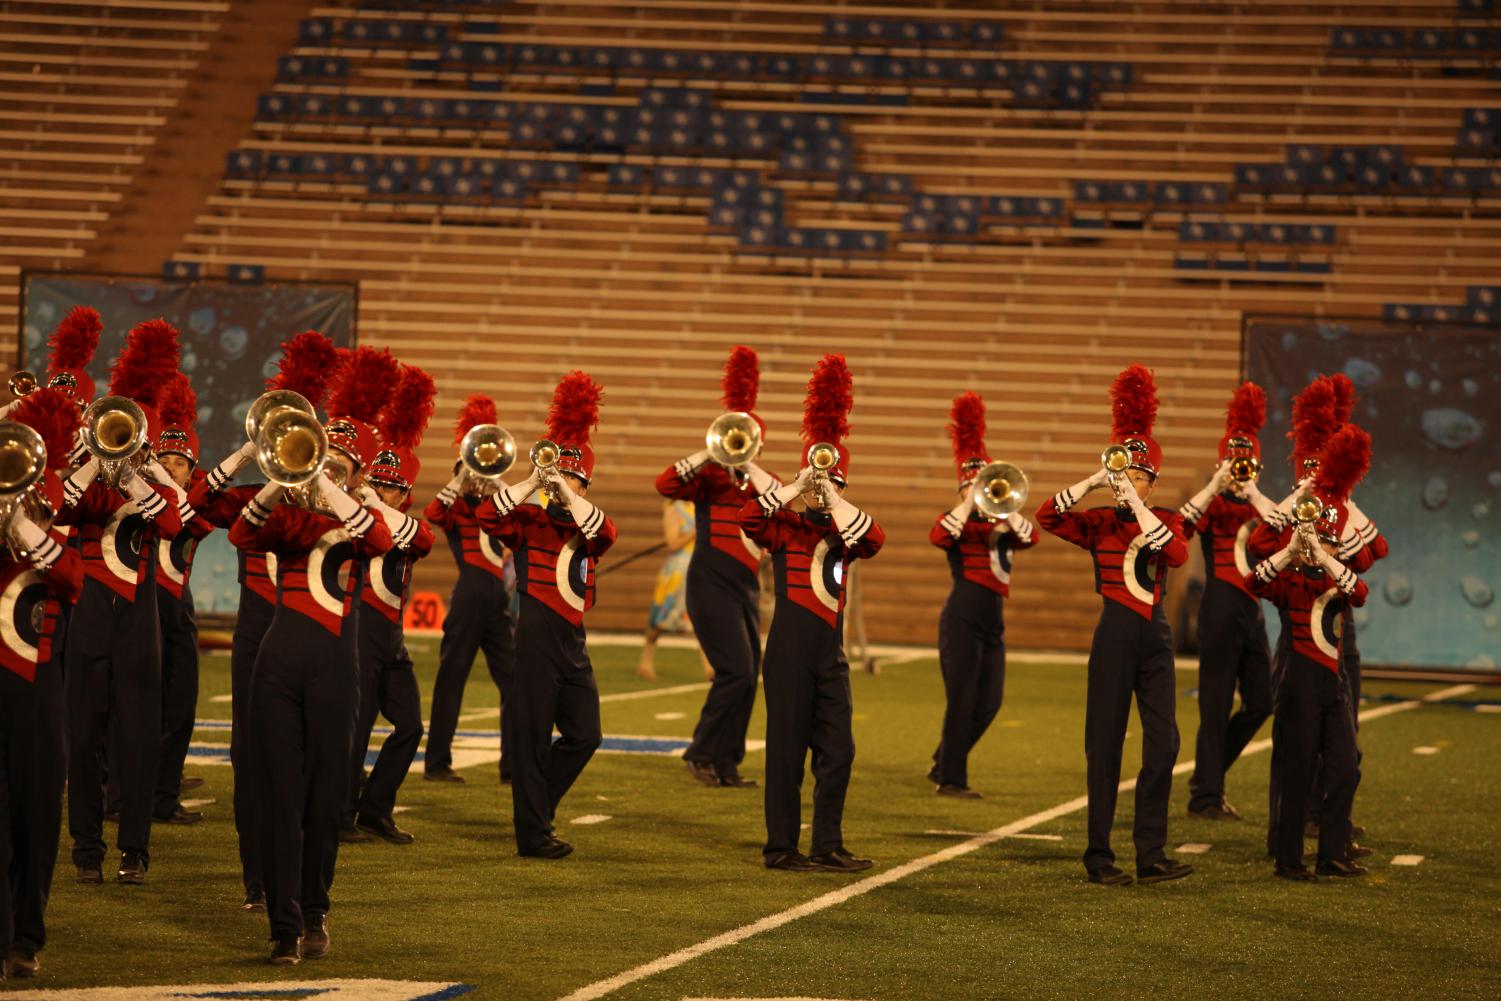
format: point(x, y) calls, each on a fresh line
point(1116, 458)
point(291, 447)
point(1307, 509)
point(545, 454)
point(23, 383)
point(823, 456)
point(23, 457)
point(487, 451)
point(733, 439)
point(1244, 469)
point(1000, 489)
point(269, 403)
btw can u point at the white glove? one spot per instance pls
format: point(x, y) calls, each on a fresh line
point(452, 489)
point(1021, 527)
point(39, 547)
point(259, 509)
point(585, 515)
point(763, 481)
point(1268, 569)
point(1344, 578)
point(780, 497)
point(953, 522)
point(148, 501)
point(340, 503)
point(1260, 501)
point(159, 473)
point(506, 498)
point(1193, 509)
point(688, 468)
point(852, 522)
point(78, 481)
point(1065, 499)
point(219, 477)
point(403, 526)
point(1157, 534)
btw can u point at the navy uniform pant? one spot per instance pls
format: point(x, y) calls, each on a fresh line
point(1130, 656)
point(388, 687)
point(972, 657)
point(553, 686)
point(1233, 654)
point(304, 695)
point(33, 765)
point(112, 678)
point(1314, 731)
point(726, 618)
point(251, 623)
point(478, 620)
point(179, 695)
point(808, 708)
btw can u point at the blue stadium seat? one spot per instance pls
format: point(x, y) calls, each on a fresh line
point(359, 165)
point(1431, 42)
point(386, 184)
point(985, 33)
point(1051, 209)
point(246, 274)
point(315, 32)
point(1090, 192)
point(284, 163)
point(1485, 296)
point(467, 186)
point(1417, 177)
point(1199, 231)
point(1253, 176)
point(273, 106)
point(945, 33)
point(314, 105)
point(920, 223)
point(181, 271)
point(243, 163)
point(625, 176)
point(321, 164)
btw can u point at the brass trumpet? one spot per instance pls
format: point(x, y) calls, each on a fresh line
point(1000, 489)
point(822, 456)
point(545, 455)
point(1117, 459)
point(1244, 469)
point(114, 432)
point(733, 439)
point(486, 452)
point(23, 383)
point(23, 458)
point(1307, 510)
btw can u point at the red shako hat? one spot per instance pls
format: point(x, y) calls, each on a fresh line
point(967, 432)
point(1133, 411)
point(826, 410)
point(573, 414)
point(401, 425)
point(1244, 418)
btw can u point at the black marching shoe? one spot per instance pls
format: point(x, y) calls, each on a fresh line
point(1216, 811)
point(189, 783)
point(179, 816)
point(553, 848)
point(957, 792)
point(132, 868)
point(89, 873)
point(840, 860)
point(255, 899)
point(384, 828)
point(789, 862)
point(286, 951)
point(443, 775)
point(703, 773)
point(1160, 872)
point(731, 778)
point(933, 775)
point(1109, 875)
point(1357, 851)
point(23, 964)
point(1296, 873)
point(1340, 867)
point(315, 936)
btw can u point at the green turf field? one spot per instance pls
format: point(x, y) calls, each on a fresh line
point(676, 864)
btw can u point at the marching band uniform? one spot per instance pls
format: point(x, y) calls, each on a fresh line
point(808, 703)
point(723, 590)
point(555, 551)
point(1132, 652)
point(1233, 651)
point(479, 609)
point(37, 577)
point(972, 626)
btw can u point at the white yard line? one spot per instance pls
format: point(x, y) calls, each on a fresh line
point(852, 890)
point(646, 693)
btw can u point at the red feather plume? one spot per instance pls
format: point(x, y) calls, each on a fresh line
point(827, 405)
point(1133, 402)
point(364, 384)
point(742, 379)
point(478, 409)
point(1313, 419)
point(75, 339)
point(405, 417)
point(1346, 460)
point(1247, 410)
point(308, 363)
point(967, 426)
point(147, 363)
point(52, 414)
point(1344, 397)
point(178, 403)
point(574, 410)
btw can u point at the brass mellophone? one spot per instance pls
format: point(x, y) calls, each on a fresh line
point(733, 439)
point(486, 452)
point(291, 446)
point(114, 432)
point(1000, 489)
point(23, 459)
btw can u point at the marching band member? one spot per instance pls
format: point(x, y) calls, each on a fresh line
point(73, 343)
point(1133, 545)
point(479, 609)
point(36, 576)
point(307, 363)
point(113, 654)
point(808, 704)
point(176, 449)
point(387, 682)
point(1233, 648)
point(305, 679)
point(724, 592)
point(555, 550)
point(1314, 719)
point(972, 628)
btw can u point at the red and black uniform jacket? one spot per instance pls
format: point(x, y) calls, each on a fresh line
point(1130, 569)
point(1312, 606)
point(471, 546)
point(1266, 540)
point(119, 536)
point(317, 557)
point(554, 558)
point(174, 556)
point(720, 546)
point(389, 575)
point(981, 553)
point(221, 508)
point(810, 557)
point(30, 595)
point(1224, 528)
